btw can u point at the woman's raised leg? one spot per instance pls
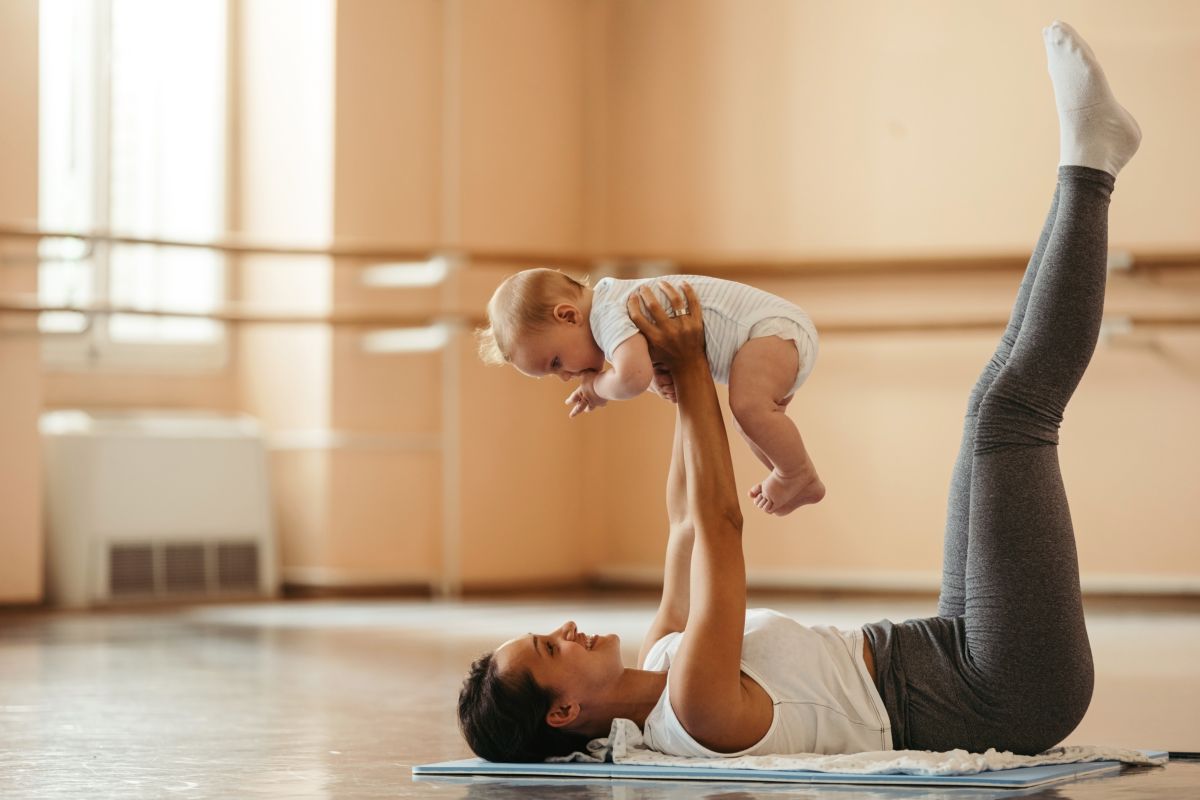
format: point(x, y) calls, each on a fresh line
point(952, 599)
point(1024, 626)
point(1094, 131)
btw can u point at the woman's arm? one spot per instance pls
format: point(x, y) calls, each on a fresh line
point(706, 689)
point(673, 608)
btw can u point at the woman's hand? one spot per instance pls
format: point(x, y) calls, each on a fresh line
point(675, 339)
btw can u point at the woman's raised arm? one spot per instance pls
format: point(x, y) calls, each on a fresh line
point(705, 685)
point(677, 572)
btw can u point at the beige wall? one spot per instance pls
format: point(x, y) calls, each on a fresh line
point(474, 140)
point(882, 415)
point(283, 192)
point(520, 125)
point(389, 84)
point(810, 128)
point(425, 152)
point(717, 130)
point(20, 400)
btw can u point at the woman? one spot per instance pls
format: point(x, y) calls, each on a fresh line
point(1006, 664)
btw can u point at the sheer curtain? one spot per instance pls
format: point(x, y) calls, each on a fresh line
point(133, 130)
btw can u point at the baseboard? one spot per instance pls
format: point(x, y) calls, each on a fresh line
point(1145, 585)
point(532, 588)
point(320, 580)
point(767, 580)
point(900, 581)
point(323, 580)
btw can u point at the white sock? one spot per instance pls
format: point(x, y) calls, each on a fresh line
point(1094, 130)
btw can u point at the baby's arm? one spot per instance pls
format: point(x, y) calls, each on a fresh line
point(631, 372)
point(629, 377)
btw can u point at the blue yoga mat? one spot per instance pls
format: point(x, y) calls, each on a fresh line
point(1016, 778)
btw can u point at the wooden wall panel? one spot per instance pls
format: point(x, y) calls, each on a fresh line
point(20, 374)
point(389, 84)
point(384, 393)
point(385, 520)
point(521, 95)
point(881, 416)
point(812, 129)
point(532, 491)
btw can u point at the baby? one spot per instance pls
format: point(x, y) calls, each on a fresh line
point(544, 322)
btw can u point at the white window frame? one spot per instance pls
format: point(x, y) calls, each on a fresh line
point(94, 348)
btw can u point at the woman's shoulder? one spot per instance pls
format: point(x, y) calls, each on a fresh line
point(758, 621)
point(661, 653)
point(776, 628)
point(764, 617)
point(711, 735)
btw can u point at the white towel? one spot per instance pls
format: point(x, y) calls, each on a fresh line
point(624, 745)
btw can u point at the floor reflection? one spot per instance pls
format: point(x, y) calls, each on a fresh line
point(341, 699)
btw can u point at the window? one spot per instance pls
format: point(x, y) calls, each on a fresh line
point(133, 140)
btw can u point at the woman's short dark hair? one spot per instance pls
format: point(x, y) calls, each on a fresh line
point(503, 717)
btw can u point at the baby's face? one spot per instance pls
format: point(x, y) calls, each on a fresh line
point(564, 349)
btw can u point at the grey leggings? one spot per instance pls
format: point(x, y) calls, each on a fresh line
point(1007, 663)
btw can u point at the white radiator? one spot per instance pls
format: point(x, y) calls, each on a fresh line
point(155, 506)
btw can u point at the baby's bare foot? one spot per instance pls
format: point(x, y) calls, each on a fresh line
point(780, 495)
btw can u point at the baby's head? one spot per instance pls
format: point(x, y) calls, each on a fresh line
point(538, 322)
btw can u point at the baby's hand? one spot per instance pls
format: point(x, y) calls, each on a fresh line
point(663, 384)
point(585, 398)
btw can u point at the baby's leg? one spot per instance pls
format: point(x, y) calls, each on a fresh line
point(753, 447)
point(760, 380)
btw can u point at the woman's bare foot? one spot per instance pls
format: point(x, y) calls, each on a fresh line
point(780, 495)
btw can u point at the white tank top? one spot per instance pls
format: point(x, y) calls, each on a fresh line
point(824, 699)
point(731, 309)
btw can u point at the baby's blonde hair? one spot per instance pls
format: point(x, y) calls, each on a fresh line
point(523, 303)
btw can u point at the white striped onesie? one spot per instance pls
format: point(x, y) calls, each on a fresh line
point(733, 314)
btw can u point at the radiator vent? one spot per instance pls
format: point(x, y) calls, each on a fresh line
point(237, 567)
point(179, 569)
point(131, 570)
point(184, 569)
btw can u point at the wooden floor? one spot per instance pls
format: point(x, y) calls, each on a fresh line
point(340, 698)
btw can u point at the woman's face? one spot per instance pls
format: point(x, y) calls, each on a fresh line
point(572, 665)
